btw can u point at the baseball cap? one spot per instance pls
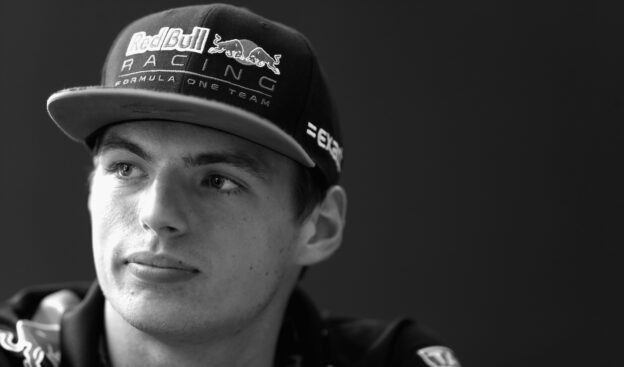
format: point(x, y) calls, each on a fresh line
point(217, 66)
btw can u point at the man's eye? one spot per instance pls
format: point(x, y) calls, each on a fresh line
point(124, 170)
point(221, 183)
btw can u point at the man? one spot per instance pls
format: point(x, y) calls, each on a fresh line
point(216, 153)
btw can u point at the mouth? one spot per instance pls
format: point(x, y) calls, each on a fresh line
point(155, 262)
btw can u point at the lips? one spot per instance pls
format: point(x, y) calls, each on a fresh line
point(152, 269)
point(159, 261)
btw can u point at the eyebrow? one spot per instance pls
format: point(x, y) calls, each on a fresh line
point(113, 141)
point(237, 159)
point(240, 160)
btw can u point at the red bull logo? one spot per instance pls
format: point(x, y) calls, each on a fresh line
point(245, 52)
point(169, 39)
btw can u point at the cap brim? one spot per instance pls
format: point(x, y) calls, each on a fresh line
point(79, 112)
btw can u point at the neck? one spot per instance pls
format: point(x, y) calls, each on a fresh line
point(252, 346)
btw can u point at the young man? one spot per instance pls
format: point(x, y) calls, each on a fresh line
point(216, 153)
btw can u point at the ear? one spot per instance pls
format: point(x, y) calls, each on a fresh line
point(322, 229)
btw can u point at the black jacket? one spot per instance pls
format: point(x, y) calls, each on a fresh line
point(44, 327)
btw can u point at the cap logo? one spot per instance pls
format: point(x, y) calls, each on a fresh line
point(169, 39)
point(437, 356)
point(245, 52)
point(326, 142)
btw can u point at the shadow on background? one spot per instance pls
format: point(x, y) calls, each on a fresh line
point(483, 149)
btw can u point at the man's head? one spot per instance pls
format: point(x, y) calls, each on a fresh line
point(216, 156)
point(199, 227)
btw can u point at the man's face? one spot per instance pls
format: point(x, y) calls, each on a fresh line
point(193, 229)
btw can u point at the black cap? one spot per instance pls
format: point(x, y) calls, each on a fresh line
point(217, 66)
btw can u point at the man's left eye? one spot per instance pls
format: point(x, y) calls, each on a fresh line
point(220, 183)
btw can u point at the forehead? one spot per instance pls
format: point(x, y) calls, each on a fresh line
point(176, 134)
point(163, 140)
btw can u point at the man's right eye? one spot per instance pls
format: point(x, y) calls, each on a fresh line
point(123, 170)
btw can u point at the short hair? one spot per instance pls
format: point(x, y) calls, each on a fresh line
point(310, 188)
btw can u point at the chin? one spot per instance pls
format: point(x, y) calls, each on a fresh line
point(173, 317)
point(159, 317)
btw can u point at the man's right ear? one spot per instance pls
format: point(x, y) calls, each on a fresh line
point(323, 228)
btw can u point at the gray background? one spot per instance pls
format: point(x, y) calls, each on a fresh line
point(483, 164)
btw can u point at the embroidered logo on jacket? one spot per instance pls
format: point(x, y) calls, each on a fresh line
point(35, 341)
point(245, 52)
point(437, 356)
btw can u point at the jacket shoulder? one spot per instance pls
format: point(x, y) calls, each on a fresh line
point(373, 343)
point(30, 324)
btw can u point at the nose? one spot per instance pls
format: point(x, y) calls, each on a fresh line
point(161, 207)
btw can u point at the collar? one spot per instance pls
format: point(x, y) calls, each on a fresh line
point(303, 337)
point(81, 328)
point(302, 341)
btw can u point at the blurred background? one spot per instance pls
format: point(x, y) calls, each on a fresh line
point(483, 143)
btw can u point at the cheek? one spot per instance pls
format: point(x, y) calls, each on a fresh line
point(112, 219)
point(265, 247)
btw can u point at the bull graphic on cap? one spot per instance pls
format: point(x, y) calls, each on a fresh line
point(245, 52)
